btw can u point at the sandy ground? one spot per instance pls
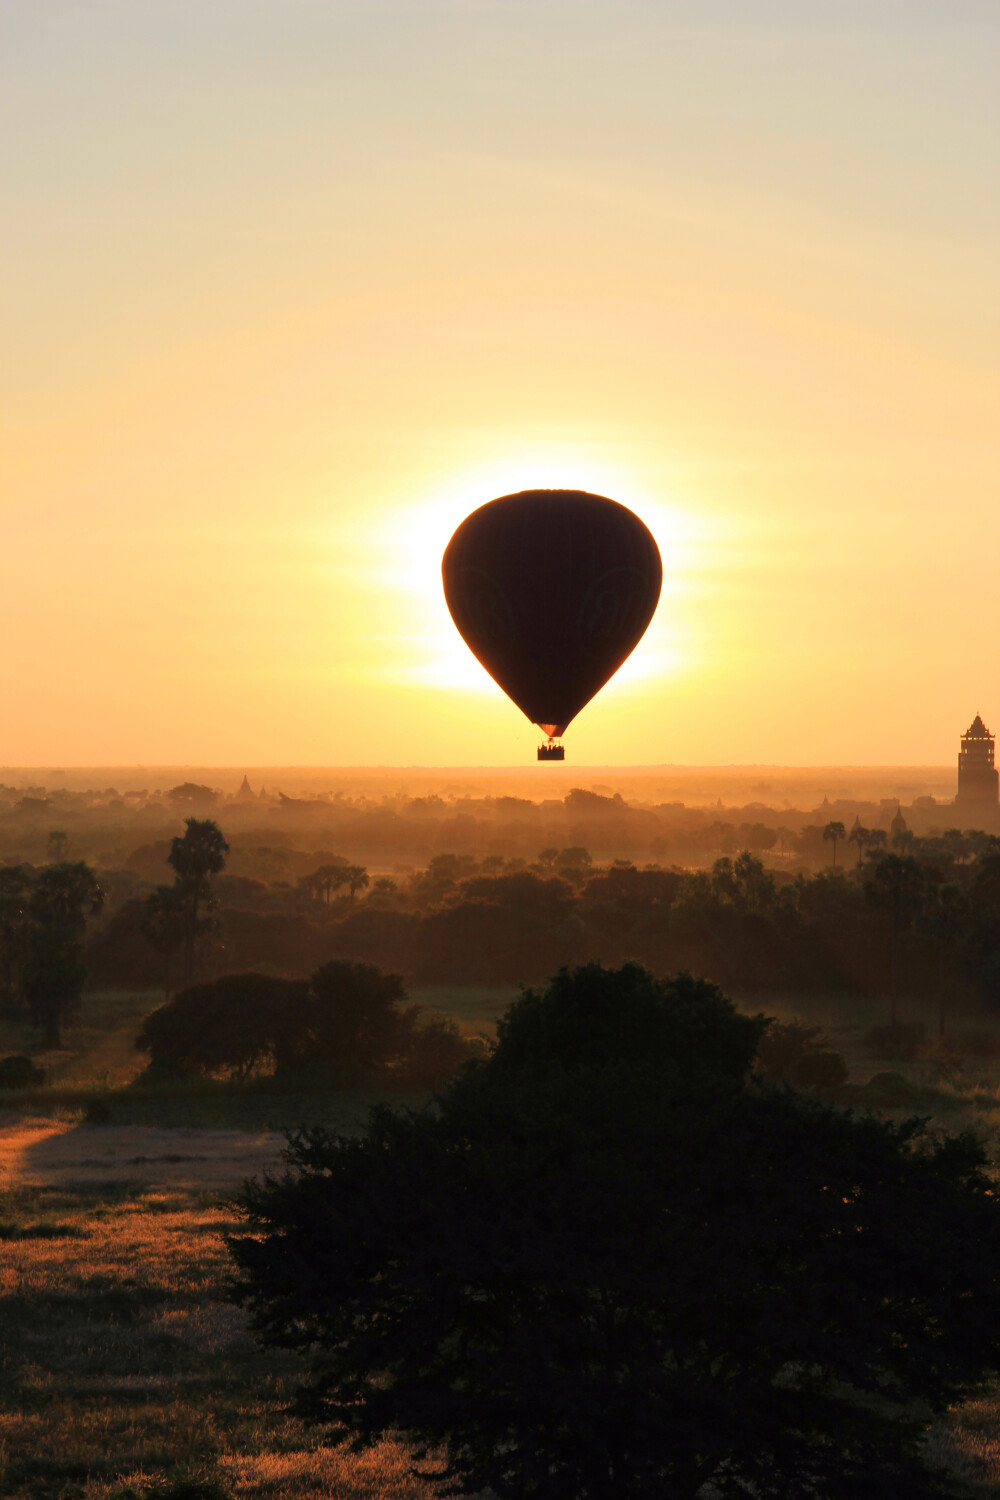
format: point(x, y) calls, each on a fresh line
point(52, 1153)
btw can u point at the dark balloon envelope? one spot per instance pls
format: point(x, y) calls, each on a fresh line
point(551, 590)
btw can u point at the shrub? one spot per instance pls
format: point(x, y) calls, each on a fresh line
point(19, 1072)
point(796, 1053)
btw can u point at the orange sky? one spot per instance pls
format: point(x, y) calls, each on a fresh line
point(289, 288)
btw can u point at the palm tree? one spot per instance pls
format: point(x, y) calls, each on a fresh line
point(831, 833)
point(196, 857)
point(862, 837)
point(356, 878)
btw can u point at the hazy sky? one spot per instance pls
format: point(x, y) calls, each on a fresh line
point(289, 286)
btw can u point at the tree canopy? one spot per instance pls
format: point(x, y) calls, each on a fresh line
point(609, 1262)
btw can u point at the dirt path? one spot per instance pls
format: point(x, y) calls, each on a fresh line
point(52, 1153)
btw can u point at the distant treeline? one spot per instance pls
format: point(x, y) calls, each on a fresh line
point(272, 840)
point(922, 919)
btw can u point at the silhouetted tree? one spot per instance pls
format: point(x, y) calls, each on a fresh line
point(895, 886)
point(605, 1267)
point(166, 920)
point(194, 795)
point(62, 898)
point(56, 845)
point(356, 878)
point(196, 857)
point(15, 892)
point(862, 837)
point(324, 881)
point(942, 916)
point(832, 833)
point(357, 1015)
point(229, 1025)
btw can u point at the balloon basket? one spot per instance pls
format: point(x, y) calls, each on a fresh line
point(551, 752)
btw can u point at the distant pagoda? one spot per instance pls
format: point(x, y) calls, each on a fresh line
point(978, 781)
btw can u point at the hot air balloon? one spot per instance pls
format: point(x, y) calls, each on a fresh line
point(551, 590)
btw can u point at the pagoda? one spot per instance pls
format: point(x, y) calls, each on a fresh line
point(978, 781)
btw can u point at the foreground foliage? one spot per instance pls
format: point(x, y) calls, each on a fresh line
point(609, 1265)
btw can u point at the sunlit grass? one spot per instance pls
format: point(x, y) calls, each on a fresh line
point(122, 1360)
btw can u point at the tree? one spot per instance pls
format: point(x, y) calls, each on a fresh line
point(61, 899)
point(193, 795)
point(348, 1014)
point(832, 833)
point(15, 892)
point(196, 857)
point(165, 921)
point(607, 1266)
point(324, 881)
point(896, 886)
point(356, 878)
point(56, 845)
point(862, 837)
point(356, 1015)
point(229, 1025)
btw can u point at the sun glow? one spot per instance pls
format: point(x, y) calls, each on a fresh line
point(410, 542)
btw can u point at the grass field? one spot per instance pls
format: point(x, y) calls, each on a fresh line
point(124, 1371)
point(123, 1364)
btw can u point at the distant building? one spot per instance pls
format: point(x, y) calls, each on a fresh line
point(245, 793)
point(978, 782)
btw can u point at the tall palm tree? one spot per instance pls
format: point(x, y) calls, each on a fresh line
point(862, 837)
point(196, 857)
point(831, 834)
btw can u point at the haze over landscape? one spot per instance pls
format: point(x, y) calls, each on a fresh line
point(384, 1112)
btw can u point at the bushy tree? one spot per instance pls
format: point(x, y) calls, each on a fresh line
point(347, 1017)
point(229, 1025)
point(606, 1265)
point(357, 1015)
